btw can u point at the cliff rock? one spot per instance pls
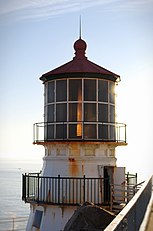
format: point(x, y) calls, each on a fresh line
point(89, 217)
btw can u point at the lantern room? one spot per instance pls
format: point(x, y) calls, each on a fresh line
point(79, 102)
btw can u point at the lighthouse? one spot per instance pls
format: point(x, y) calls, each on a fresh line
point(79, 134)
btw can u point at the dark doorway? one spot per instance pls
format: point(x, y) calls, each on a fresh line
point(108, 176)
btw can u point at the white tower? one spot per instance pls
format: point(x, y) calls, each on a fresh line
point(80, 135)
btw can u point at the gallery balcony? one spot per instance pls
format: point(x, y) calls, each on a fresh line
point(75, 191)
point(80, 131)
point(63, 190)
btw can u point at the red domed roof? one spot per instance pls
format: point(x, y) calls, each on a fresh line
point(81, 65)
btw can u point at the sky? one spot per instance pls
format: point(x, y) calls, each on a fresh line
point(37, 36)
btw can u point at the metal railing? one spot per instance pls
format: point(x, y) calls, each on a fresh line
point(79, 131)
point(122, 194)
point(64, 190)
point(131, 217)
point(76, 190)
point(131, 179)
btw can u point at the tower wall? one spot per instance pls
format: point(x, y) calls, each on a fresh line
point(53, 218)
point(77, 159)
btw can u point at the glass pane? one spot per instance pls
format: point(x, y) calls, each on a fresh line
point(102, 91)
point(89, 90)
point(112, 113)
point(102, 112)
point(90, 112)
point(112, 132)
point(50, 113)
point(90, 131)
point(112, 92)
point(75, 112)
point(46, 94)
point(50, 92)
point(49, 132)
point(61, 112)
point(75, 90)
point(61, 90)
point(74, 132)
point(103, 132)
point(45, 113)
point(61, 131)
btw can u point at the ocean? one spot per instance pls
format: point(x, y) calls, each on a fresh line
point(13, 211)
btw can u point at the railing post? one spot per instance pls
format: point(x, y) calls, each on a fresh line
point(38, 187)
point(136, 177)
point(84, 189)
point(111, 197)
point(24, 187)
point(116, 132)
point(37, 132)
point(125, 133)
point(58, 189)
point(27, 185)
point(34, 139)
point(127, 178)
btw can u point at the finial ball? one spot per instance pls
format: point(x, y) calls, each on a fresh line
point(80, 45)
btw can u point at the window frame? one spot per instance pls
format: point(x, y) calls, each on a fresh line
point(83, 102)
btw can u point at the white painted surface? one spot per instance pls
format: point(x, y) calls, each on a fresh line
point(119, 176)
point(77, 159)
point(70, 160)
point(54, 217)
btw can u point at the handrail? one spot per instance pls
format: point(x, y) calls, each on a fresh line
point(131, 216)
point(64, 130)
point(122, 194)
point(64, 190)
point(71, 190)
